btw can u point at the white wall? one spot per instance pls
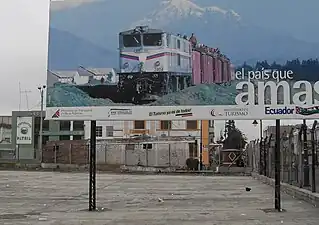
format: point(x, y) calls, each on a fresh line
point(118, 129)
point(81, 79)
point(5, 134)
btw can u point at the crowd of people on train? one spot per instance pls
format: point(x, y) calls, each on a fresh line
point(203, 47)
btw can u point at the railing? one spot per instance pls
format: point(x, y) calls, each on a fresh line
point(296, 166)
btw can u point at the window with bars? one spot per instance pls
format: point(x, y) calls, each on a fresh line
point(147, 146)
point(99, 131)
point(192, 148)
point(78, 125)
point(109, 131)
point(166, 125)
point(139, 124)
point(64, 137)
point(65, 125)
point(191, 124)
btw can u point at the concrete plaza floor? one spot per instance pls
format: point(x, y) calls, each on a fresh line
point(48, 198)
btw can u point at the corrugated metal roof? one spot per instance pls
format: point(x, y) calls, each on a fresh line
point(65, 74)
point(101, 71)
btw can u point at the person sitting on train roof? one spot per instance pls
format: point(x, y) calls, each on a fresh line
point(193, 40)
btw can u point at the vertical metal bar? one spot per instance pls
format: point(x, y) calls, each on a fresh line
point(291, 151)
point(277, 168)
point(92, 158)
point(41, 126)
point(313, 156)
point(265, 157)
point(169, 145)
point(55, 153)
point(260, 156)
point(306, 182)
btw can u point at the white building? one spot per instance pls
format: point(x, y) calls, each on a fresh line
point(108, 74)
point(5, 129)
point(163, 147)
point(120, 129)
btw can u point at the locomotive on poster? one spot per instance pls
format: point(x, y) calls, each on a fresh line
point(154, 63)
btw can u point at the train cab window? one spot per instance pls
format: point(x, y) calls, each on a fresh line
point(132, 40)
point(152, 40)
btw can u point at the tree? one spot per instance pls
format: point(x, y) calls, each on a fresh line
point(302, 69)
point(235, 139)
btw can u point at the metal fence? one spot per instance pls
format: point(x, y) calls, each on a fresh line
point(145, 154)
point(298, 153)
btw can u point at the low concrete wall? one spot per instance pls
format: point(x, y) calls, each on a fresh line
point(299, 193)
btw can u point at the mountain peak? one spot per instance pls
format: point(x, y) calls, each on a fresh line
point(170, 10)
point(182, 7)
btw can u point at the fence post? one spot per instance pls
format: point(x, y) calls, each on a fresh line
point(300, 159)
point(169, 155)
point(70, 153)
point(277, 168)
point(260, 156)
point(105, 153)
point(306, 156)
point(265, 156)
point(313, 156)
point(54, 149)
point(146, 156)
point(291, 152)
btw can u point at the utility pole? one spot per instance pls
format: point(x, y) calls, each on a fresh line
point(41, 90)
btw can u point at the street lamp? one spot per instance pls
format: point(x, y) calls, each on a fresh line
point(41, 90)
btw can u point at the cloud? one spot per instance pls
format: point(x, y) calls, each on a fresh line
point(64, 4)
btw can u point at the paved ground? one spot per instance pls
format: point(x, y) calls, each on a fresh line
point(61, 198)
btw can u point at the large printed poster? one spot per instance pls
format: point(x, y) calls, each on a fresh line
point(172, 56)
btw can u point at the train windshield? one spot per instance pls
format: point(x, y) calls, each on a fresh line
point(152, 39)
point(132, 40)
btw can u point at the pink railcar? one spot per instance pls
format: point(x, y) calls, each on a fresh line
point(219, 78)
point(196, 63)
point(224, 70)
point(228, 72)
point(211, 69)
point(204, 67)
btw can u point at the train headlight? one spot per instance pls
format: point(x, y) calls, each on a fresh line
point(125, 65)
point(157, 64)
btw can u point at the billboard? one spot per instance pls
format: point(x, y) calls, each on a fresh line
point(24, 130)
point(135, 67)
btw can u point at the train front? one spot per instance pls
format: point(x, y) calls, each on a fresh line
point(143, 64)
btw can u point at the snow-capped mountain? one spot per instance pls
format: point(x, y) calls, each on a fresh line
point(172, 10)
point(227, 24)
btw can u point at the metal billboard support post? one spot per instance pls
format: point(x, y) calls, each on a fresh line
point(306, 181)
point(41, 90)
point(92, 159)
point(277, 168)
point(313, 157)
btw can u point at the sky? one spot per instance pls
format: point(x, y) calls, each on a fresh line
point(24, 46)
